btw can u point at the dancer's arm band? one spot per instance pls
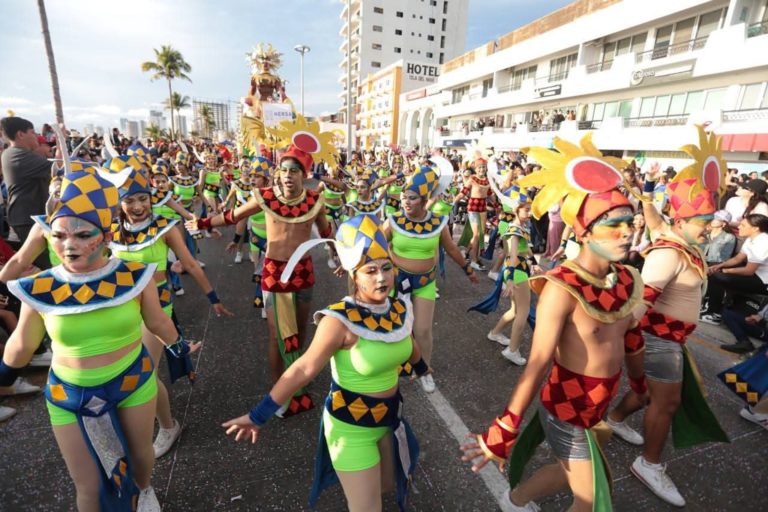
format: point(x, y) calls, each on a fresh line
point(236, 239)
point(212, 297)
point(179, 349)
point(8, 374)
point(467, 269)
point(262, 412)
point(229, 217)
point(633, 340)
point(204, 223)
point(326, 233)
point(498, 440)
point(400, 175)
point(638, 384)
point(649, 186)
point(420, 367)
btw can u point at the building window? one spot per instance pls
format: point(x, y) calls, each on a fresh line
point(751, 96)
point(433, 3)
point(442, 41)
point(378, 10)
point(398, 50)
point(399, 14)
point(458, 94)
point(430, 55)
point(430, 38)
point(398, 32)
point(445, 24)
point(445, 7)
point(558, 68)
point(487, 85)
point(519, 75)
point(432, 21)
point(375, 64)
point(376, 46)
point(442, 57)
point(377, 28)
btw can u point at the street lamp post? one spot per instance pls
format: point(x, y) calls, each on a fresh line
point(302, 49)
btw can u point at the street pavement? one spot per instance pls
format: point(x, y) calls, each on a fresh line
point(208, 471)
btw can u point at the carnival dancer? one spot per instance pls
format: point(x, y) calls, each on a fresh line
point(370, 200)
point(290, 210)
point(365, 336)
point(140, 236)
point(506, 183)
point(101, 388)
point(397, 166)
point(210, 180)
point(584, 330)
point(185, 192)
point(476, 190)
point(239, 193)
point(333, 189)
point(415, 235)
point(512, 281)
point(674, 274)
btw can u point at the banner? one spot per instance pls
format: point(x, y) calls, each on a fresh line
point(274, 113)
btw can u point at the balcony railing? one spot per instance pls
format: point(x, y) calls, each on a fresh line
point(754, 114)
point(757, 29)
point(553, 77)
point(647, 122)
point(515, 86)
point(668, 51)
point(590, 125)
point(600, 66)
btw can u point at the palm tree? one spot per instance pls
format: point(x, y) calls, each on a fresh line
point(154, 132)
point(51, 62)
point(206, 116)
point(177, 102)
point(169, 64)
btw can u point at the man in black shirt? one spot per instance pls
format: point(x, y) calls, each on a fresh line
point(27, 175)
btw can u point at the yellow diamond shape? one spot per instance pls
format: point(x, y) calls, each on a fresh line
point(354, 315)
point(42, 285)
point(57, 392)
point(730, 378)
point(84, 294)
point(419, 228)
point(371, 323)
point(399, 307)
point(386, 324)
point(752, 397)
point(106, 289)
point(337, 400)
point(379, 412)
point(133, 265)
point(741, 387)
point(61, 293)
point(124, 278)
point(357, 409)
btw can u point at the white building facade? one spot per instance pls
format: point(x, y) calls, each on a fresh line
point(638, 73)
point(384, 31)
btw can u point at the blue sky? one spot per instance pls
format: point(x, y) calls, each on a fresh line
point(99, 46)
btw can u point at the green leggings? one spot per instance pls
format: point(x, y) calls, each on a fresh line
point(96, 376)
point(351, 447)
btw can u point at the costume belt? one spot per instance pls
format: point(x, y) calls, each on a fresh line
point(303, 276)
point(408, 282)
point(477, 204)
point(367, 411)
point(506, 217)
point(96, 411)
point(210, 187)
point(666, 327)
point(393, 202)
point(258, 241)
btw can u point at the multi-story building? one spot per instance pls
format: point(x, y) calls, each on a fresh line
point(382, 32)
point(219, 114)
point(639, 73)
point(181, 124)
point(132, 130)
point(157, 118)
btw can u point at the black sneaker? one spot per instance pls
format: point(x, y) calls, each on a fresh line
point(711, 318)
point(740, 347)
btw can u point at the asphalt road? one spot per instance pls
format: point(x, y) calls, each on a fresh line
point(207, 471)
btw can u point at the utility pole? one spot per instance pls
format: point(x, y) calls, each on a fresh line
point(302, 49)
point(349, 79)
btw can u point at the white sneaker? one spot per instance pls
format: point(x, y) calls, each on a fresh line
point(280, 413)
point(427, 384)
point(531, 506)
point(514, 357)
point(148, 501)
point(437, 293)
point(477, 266)
point(332, 264)
point(498, 338)
point(263, 313)
point(654, 476)
point(22, 387)
point(754, 417)
point(179, 292)
point(625, 432)
point(202, 265)
point(493, 275)
point(165, 439)
point(238, 257)
point(6, 413)
point(207, 234)
point(42, 360)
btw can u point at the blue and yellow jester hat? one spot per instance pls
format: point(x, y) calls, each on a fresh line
point(183, 158)
point(87, 196)
point(424, 181)
point(141, 154)
point(245, 166)
point(262, 166)
point(160, 168)
point(358, 241)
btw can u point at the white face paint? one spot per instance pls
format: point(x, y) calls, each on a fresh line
point(78, 244)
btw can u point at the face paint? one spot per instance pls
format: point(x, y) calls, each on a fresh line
point(77, 243)
point(137, 207)
point(693, 228)
point(374, 280)
point(610, 237)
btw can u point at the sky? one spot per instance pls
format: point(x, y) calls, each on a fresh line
point(99, 46)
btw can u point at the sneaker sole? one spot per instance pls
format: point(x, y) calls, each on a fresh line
point(662, 498)
point(633, 443)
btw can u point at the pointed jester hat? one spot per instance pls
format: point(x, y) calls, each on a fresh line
point(581, 177)
point(692, 191)
point(141, 154)
point(87, 196)
point(512, 197)
point(358, 241)
point(262, 166)
point(429, 181)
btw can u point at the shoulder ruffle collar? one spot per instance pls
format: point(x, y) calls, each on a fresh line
point(692, 254)
point(59, 292)
point(185, 181)
point(608, 300)
point(292, 213)
point(128, 240)
point(390, 326)
point(432, 225)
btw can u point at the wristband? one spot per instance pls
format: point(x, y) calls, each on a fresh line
point(229, 217)
point(316, 176)
point(178, 349)
point(400, 175)
point(212, 297)
point(638, 385)
point(498, 440)
point(327, 232)
point(468, 270)
point(204, 223)
point(236, 239)
point(420, 367)
point(8, 374)
point(649, 186)
point(262, 412)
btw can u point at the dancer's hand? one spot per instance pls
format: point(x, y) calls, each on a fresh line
point(473, 278)
point(715, 268)
point(242, 427)
point(654, 172)
point(216, 234)
point(339, 272)
point(219, 309)
point(177, 266)
point(508, 289)
point(191, 224)
point(231, 246)
point(472, 451)
point(536, 270)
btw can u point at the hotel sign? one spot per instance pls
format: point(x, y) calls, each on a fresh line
point(661, 74)
point(418, 72)
point(552, 90)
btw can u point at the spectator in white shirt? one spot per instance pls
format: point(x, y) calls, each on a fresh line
point(750, 198)
point(747, 272)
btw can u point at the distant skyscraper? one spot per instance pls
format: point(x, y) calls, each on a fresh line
point(157, 118)
point(132, 129)
point(181, 124)
point(99, 131)
point(142, 128)
point(219, 113)
point(123, 125)
point(88, 129)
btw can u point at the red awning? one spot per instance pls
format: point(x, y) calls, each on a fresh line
point(745, 142)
